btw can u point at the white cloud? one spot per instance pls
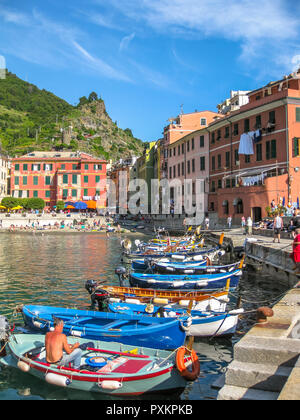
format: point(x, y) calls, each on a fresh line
point(100, 65)
point(265, 29)
point(39, 40)
point(126, 41)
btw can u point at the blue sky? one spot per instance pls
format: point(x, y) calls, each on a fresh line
point(147, 57)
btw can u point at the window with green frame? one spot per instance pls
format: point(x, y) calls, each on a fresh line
point(63, 166)
point(86, 179)
point(24, 180)
point(35, 180)
point(86, 166)
point(85, 192)
point(65, 179)
point(296, 146)
point(298, 114)
point(35, 194)
point(48, 194)
point(48, 180)
point(97, 178)
point(271, 149)
point(17, 180)
point(17, 167)
point(65, 193)
point(74, 179)
point(25, 167)
point(74, 193)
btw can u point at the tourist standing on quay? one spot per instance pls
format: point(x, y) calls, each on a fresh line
point(243, 221)
point(296, 251)
point(249, 226)
point(229, 222)
point(278, 226)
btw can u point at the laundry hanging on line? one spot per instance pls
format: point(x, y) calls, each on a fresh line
point(247, 142)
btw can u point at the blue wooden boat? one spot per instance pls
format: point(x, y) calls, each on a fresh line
point(193, 251)
point(202, 323)
point(162, 267)
point(108, 368)
point(175, 282)
point(136, 330)
point(144, 264)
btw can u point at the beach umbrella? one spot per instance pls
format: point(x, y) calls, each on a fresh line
point(69, 207)
point(283, 202)
point(298, 204)
point(69, 203)
point(17, 208)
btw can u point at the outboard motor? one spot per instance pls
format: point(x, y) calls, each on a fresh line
point(121, 273)
point(91, 286)
point(4, 334)
point(148, 262)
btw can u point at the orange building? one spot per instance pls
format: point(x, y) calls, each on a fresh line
point(180, 127)
point(245, 175)
point(55, 176)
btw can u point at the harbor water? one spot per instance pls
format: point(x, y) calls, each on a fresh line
point(36, 268)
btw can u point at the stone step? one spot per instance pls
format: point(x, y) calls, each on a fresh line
point(267, 351)
point(257, 376)
point(237, 393)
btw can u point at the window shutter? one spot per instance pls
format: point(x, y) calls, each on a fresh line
point(297, 114)
point(296, 147)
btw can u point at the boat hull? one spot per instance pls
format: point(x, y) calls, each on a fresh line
point(215, 300)
point(174, 282)
point(203, 324)
point(162, 379)
point(126, 329)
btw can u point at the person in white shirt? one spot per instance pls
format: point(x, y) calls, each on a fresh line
point(207, 223)
point(278, 226)
point(249, 225)
point(229, 222)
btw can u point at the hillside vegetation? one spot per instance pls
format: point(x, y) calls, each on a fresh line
point(35, 119)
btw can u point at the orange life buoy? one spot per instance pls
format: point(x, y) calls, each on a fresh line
point(180, 364)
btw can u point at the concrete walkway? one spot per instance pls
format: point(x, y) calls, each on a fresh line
point(266, 363)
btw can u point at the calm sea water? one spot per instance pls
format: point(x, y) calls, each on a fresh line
point(52, 270)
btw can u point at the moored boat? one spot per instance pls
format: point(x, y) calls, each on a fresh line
point(191, 281)
point(202, 299)
point(108, 368)
point(163, 267)
point(128, 329)
point(203, 323)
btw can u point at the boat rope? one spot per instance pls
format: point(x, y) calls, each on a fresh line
point(276, 299)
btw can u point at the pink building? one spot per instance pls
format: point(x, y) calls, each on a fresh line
point(189, 159)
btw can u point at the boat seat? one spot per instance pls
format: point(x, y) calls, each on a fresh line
point(132, 366)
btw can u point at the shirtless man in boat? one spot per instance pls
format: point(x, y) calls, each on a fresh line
point(56, 344)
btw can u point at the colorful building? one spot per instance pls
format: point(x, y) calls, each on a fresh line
point(255, 152)
point(179, 127)
point(4, 176)
point(189, 159)
point(122, 173)
point(55, 176)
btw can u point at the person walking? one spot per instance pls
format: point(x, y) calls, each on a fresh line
point(278, 226)
point(207, 223)
point(295, 255)
point(249, 226)
point(229, 222)
point(243, 222)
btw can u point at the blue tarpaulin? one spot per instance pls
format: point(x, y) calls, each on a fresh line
point(80, 205)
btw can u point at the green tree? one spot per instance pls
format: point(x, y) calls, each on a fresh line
point(93, 97)
point(10, 202)
point(36, 204)
point(60, 205)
